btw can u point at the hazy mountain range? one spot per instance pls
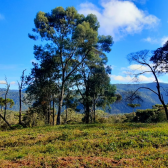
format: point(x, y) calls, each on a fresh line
point(149, 98)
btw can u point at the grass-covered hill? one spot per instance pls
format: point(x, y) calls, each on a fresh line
point(95, 145)
point(149, 98)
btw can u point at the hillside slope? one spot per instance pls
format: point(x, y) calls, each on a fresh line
point(149, 98)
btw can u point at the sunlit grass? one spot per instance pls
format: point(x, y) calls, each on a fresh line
point(129, 144)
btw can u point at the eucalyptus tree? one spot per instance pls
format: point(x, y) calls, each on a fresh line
point(41, 86)
point(94, 86)
point(102, 92)
point(133, 105)
point(70, 39)
point(21, 86)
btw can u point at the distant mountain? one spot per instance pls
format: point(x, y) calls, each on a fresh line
point(14, 94)
point(149, 98)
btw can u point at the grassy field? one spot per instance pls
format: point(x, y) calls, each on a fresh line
point(87, 146)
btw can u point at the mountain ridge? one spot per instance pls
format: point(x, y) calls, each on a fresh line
point(149, 98)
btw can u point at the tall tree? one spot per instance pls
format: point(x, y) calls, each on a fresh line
point(41, 86)
point(144, 58)
point(94, 87)
point(73, 38)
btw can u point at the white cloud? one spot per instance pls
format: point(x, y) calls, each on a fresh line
point(129, 79)
point(2, 17)
point(143, 78)
point(13, 83)
point(2, 82)
point(138, 67)
point(122, 78)
point(119, 18)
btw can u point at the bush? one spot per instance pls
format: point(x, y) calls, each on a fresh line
point(72, 116)
point(33, 118)
point(150, 116)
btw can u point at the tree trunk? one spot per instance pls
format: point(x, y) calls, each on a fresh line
point(165, 107)
point(45, 114)
point(66, 114)
point(5, 121)
point(94, 110)
point(87, 113)
point(53, 112)
point(20, 109)
point(5, 107)
point(166, 111)
point(48, 115)
point(161, 97)
point(60, 105)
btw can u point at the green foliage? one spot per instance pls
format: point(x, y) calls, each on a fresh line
point(75, 45)
point(9, 102)
point(72, 116)
point(33, 118)
point(12, 118)
point(150, 115)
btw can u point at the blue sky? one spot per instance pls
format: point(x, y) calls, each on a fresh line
point(134, 25)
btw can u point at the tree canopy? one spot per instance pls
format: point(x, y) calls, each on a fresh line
point(71, 40)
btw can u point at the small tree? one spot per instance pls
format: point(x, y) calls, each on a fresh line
point(7, 90)
point(21, 85)
point(2, 102)
point(5, 103)
point(134, 106)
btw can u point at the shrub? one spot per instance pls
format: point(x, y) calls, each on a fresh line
point(150, 115)
point(72, 116)
point(33, 118)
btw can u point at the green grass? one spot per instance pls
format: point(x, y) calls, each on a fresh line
point(128, 144)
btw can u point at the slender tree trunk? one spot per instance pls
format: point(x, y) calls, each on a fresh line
point(66, 114)
point(5, 107)
point(60, 105)
point(48, 113)
point(5, 121)
point(165, 107)
point(53, 112)
point(94, 110)
point(45, 114)
point(20, 109)
point(87, 113)
point(161, 97)
point(166, 111)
